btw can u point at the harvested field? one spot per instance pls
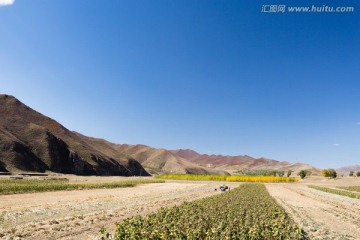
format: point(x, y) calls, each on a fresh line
point(322, 215)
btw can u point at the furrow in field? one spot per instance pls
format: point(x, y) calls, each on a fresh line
point(322, 216)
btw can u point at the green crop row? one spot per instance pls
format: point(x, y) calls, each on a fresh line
point(352, 188)
point(24, 185)
point(227, 178)
point(336, 191)
point(247, 212)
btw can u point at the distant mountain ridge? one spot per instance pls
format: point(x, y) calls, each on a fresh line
point(154, 160)
point(346, 170)
point(235, 163)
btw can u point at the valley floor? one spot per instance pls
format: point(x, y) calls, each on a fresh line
point(80, 214)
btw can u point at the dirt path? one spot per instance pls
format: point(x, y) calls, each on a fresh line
point(322, 215)
point(80, 214)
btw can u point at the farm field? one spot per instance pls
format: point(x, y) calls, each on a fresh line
point(79, 214)
point(352, 188)
point(346, 193)
point(35, 185)
point(246, 212)
point(321, 214)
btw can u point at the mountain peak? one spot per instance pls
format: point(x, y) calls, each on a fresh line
point(186, 153)
point(6, 96)
point(9, 99)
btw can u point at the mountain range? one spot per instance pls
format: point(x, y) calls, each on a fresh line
point(243, 162)
point(32, 142)
point(346, 170)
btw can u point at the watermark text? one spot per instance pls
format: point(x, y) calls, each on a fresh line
point(306, 9)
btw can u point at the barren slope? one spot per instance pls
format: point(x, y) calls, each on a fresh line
point(164, 161)
point(30, 141)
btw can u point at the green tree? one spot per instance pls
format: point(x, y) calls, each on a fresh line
point(358, 174)
point(302, 174)
point(351, 173)
point(288, 173)
point(333, 173)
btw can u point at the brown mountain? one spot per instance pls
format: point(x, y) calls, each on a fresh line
point(30, 141)
point(346, 170)
point(186, 153)
point(164, 161)
point(236, 163)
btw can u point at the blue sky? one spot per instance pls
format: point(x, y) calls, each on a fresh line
point(219, 77)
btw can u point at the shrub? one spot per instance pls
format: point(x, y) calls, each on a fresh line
point(331, 173)
point(358, 174)
point(351, 173)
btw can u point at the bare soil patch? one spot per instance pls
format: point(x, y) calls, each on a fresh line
point(322, 215)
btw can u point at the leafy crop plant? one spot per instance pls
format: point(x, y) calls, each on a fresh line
point(247, 212)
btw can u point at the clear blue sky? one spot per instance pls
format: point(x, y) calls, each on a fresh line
point(219, 77)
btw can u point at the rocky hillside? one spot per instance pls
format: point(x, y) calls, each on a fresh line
point(30, 141)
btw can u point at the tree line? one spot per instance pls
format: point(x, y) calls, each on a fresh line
point(351, 174)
